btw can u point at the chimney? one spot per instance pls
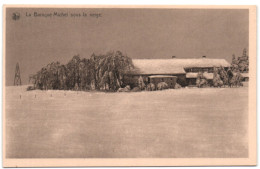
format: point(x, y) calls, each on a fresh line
point(173, 57)
point(203, 56)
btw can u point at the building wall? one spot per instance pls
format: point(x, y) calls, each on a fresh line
point(191, 81)
point(203, 69)
point(181, 80)
point(196, 70)
point(132, 80)
point(171, 81)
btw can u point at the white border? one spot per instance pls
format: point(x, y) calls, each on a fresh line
point(144, 2)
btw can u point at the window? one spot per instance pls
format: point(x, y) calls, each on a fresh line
point(195, 69)
point(187, 70)
point(198, 70)
point(210, 70)
point(205, 70)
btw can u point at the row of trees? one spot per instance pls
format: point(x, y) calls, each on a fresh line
point(221, 78)
point(240, 64)
point(101, 72)
point(230, 77)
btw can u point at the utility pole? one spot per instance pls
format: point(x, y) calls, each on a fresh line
point(17, 77)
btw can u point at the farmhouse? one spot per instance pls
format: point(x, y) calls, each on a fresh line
point(182, 71)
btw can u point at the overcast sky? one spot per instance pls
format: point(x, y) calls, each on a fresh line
point(140, 33)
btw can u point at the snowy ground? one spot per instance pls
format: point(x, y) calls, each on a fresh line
point(172, 123)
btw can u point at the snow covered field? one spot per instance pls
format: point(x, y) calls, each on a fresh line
point(180, 123)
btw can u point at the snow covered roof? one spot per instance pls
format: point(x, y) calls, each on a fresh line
point(245, 74)
point(156, 66)
point(191, 75)
point(208, 75)
point(174, 66)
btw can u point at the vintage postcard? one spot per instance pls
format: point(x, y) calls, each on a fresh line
point(129, 85)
